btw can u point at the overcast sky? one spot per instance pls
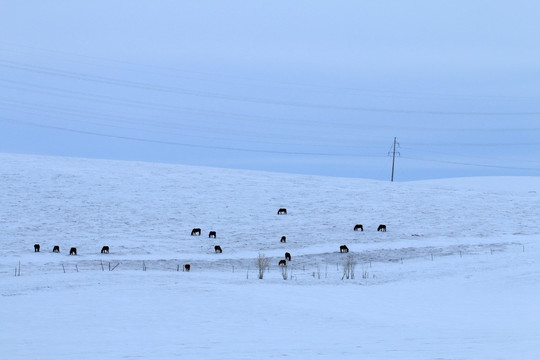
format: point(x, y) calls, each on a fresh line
point(312, 87)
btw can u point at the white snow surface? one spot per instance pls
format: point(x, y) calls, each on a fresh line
point(455, 276)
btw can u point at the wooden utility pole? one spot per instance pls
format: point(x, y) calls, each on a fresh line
point(393, 157)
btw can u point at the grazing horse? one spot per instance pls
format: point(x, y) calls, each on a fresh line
point(56, 248)
point(212, 234)
point(73, 251)
point(343, 249)
point(36, 247)
point(282, 211)
point(196, 231)
point(283, 239)
point(287, 256)
point(217, 249)
point(381, 228)
point(187, 267)
point(282, 263)
point(105, 250)
point(358, 227)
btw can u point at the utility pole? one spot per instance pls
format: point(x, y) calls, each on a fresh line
point(393, 157)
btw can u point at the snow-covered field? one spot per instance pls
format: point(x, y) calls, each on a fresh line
point(456, 275)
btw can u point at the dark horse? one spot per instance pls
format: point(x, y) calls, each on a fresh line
point(283, 239)
point(73, 251)
point(105, 250)
point(187, 267)
point(343, 249)
point(56, 248)
point(381, 228)
point(358, 227)
point(36, 247)
point(282, 263)
point(287, 256)
point(282, 211)
point(212, 234)
point(195, 231)
point(217, 249)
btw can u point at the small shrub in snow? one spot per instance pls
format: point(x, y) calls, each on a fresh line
point(365, 273)
point(348, 267)
point(284, 274)
point(262, 263)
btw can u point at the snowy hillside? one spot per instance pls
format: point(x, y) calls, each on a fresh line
point(455, 276)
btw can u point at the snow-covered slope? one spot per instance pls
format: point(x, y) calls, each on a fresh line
point(453, 277)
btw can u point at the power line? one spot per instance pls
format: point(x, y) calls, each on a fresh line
point(81, 95)
point(138, 139)
point(149, 125)
point(235, 77)
point(214, 95)
point(106, 99)
point(431, 151)
point(78, 95)
point(28, 123)
point(208, 132)
point(472, 164)
point(443, 144)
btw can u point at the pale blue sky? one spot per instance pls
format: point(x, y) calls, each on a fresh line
point(298, 86)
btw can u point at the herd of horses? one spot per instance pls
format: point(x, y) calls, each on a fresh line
point(345, 249)
point(72, 251)
point(360, 227)
point(282, 262)
point(217, 248)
